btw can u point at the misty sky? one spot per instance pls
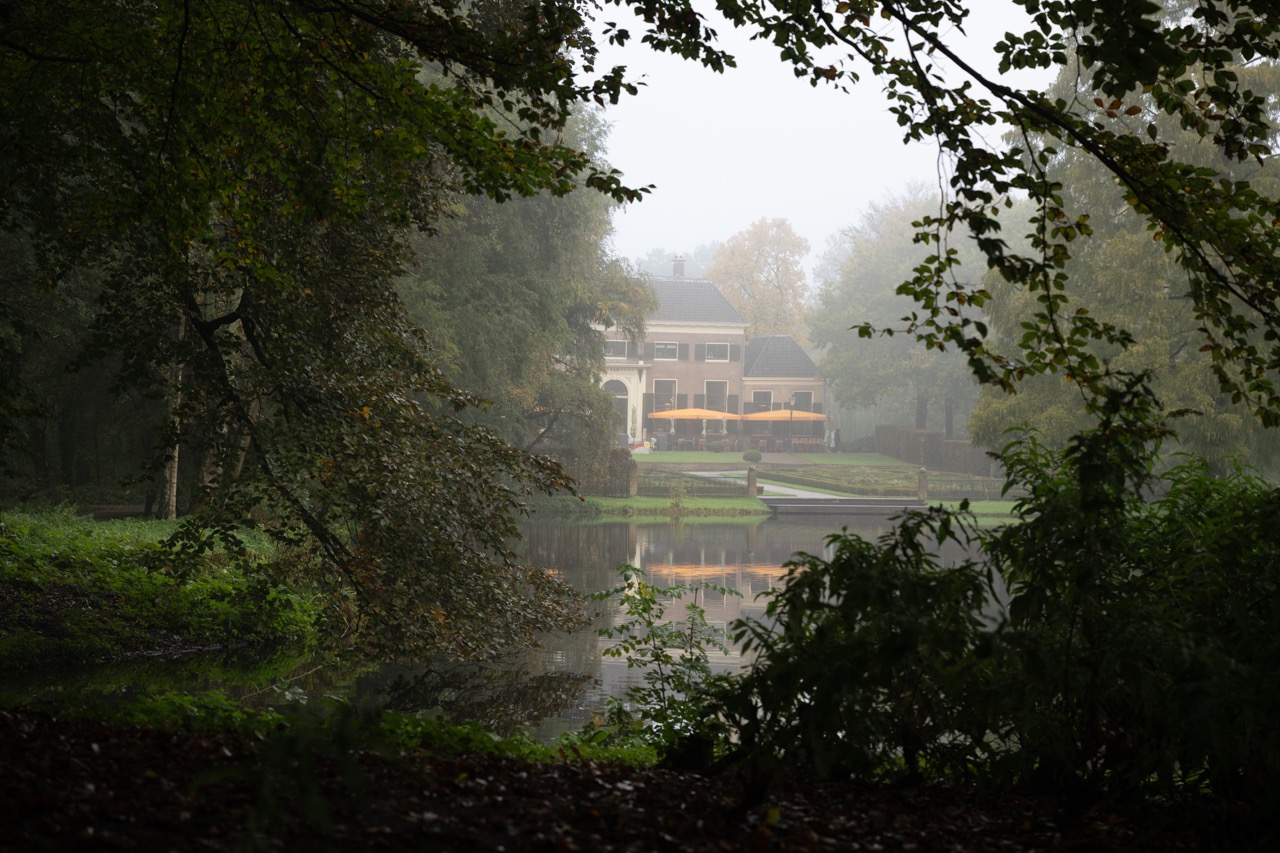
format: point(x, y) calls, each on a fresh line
point(726, 150)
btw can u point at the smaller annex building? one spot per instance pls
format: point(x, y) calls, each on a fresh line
point(696, 355)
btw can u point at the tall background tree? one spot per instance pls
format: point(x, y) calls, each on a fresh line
point(510, 297)
point(1129, 280)
point(863, 267)
point(659, 261)
point(760, 271)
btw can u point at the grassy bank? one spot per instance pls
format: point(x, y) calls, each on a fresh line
point(75, 590)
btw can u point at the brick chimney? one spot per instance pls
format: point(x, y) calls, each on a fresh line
point(677, 267)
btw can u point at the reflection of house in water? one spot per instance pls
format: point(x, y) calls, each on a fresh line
point(723, 555)
point(747, 556)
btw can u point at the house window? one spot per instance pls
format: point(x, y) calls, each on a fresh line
point(717, 352)
point(761, 401)
point(717, 394)
point(667, 351)
point(664, 394)
point(802, 401)
point(615, 349)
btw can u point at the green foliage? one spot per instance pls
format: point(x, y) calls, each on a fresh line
point(76, 590)
point(209, 710)
point(864, 659)
point(1129, 281)
point(673, 654)
point(294, 733)
point(863, 268)
point(402, 731)
point(1139, 633)
point(752, 456)
point(438, 737)
point(511, 295)
point(1117, 639)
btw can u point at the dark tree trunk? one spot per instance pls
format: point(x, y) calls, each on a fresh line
point(67, 447)
point(948, 417)
point(36, 438)
point(922, 411)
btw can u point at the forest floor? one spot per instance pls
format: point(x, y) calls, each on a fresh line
point(76, 784)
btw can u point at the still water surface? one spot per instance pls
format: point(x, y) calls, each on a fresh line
point(746, 556)
point(547, 691)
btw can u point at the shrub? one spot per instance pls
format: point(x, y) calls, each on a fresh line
point(752, 456)
point(1104, 644)
point(1142, 636)
point(863, 658)
point(673, 655)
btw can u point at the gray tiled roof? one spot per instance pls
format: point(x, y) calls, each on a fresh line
point(685, 300)
point(777, 355)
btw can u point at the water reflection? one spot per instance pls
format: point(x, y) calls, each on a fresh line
point(747, 556)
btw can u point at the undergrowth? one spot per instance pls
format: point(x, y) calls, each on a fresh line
point(75, 590)
point(1117, 641)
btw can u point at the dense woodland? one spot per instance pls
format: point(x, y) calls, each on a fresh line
point(508, 298)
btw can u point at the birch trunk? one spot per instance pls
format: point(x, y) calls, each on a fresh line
point(169, 500)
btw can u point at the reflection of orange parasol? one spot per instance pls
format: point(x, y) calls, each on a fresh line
point(695, 415)
point(696, 571)
point(784, 415)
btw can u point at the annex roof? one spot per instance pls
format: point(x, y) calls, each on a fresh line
point(777, 355)
point(691, 300)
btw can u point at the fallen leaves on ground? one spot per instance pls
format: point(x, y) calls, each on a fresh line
point(81, 784)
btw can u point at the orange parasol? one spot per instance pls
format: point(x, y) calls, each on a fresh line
point(785, 415)
point(695, 415)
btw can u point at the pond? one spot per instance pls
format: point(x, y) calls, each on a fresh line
point(547, 691)
point(746, 556)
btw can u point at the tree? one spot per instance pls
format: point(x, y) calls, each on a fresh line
point(1127, 280)
point(239, 179)
point(759, 270)
point(510, 296)
point(867, 262)
point(659, 261)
